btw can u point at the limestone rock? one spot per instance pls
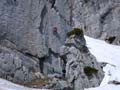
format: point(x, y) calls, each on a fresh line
point(77, 60)
point(28, 27)
point(34, 45)
point(57, 84)
point(17, 67)
point(74, 57)
point(29, 24)
point(99, 18)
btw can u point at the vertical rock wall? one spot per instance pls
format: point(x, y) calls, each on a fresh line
point(36, 29)
point(99, 18)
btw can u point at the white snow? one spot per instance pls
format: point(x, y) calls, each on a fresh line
point(106, 53)
point(6, 85)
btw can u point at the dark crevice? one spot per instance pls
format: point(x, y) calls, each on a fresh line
point(61, 16)
point(104, 15)
point(114, 82)
point(64, 65)
point(54, 53)
point(110, 39)
point(41, 63)
point(11, 2)
point(18, 50)
point(21, 51)
point(64, 72)
point(52, 3)
point(64, 59)
point(84, 49)
point(71, 63)
point(29, 55)
point(86, 1)
point(43, 14)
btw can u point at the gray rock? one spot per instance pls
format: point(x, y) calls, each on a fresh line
point(19, 24)
point(76, 61)
point(99, 18)
point(73, 63)
point(28, 27)
point(17, 67)
point(33, 44)
point(57, 84)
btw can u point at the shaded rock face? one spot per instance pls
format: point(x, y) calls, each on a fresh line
point(99, 18)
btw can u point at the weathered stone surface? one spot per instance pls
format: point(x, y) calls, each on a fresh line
point(19, 23)
point(17, 67)
point(28, 27)
point(58, 17)
point(31, 23)
point(57, 84)
point(77, 58)
point(33, 45)
point(99, 18)
point(74, 57)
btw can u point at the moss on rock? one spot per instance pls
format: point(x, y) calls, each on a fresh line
point(90, 70)
point(75, 31)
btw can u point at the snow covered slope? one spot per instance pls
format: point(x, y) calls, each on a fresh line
point(106, 53)
point(6, 85)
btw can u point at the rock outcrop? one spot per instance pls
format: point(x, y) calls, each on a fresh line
point(35, 46)
point(99, 18)
point(27, 26)
point(77, 58)
point(79, 67)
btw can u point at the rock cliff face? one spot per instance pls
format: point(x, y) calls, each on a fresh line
point(99, 18)
point(27, 26)
point(34, 45)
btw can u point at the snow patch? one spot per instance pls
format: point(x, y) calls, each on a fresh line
point(105, 52)
point(6, 85)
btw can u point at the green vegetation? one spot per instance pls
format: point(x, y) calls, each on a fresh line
point(75, 31)
point(89, 70)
